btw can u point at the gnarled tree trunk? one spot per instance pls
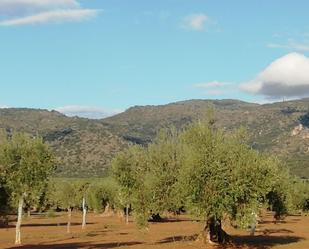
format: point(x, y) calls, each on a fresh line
point(84, 213)
point(213, 232)
point(69, 220)
point(19, 218)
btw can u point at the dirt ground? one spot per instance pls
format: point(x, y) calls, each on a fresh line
point(111, 232)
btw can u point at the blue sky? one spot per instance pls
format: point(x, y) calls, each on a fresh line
point(102, 56)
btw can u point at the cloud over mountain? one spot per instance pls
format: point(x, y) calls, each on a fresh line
point(287, 76)
point(87, 111)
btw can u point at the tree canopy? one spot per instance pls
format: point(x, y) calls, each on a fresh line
point(27, 164)
point(211, 174)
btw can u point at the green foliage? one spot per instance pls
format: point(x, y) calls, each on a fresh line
point(123, 170)
point(51, 214)
point(222, 177)
point(4, 195)
point(164, 163)
point(4, 201)
point(27, 165)
point(280, 196)
point(300, 195)
point(148, 176)
point(83, 147)
point(142, 123)
point(102, 193)
point(63, 194)
point(130, 170)
point(214, 175)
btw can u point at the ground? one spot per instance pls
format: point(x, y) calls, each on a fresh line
point(182, 233)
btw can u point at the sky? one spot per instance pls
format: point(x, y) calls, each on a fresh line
point(95, 58)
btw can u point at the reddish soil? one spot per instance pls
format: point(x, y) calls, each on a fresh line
point(111, 232)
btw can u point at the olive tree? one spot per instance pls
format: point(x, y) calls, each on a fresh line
point(214, 175)
point(64, 194)
point(164, 159)
point(4, 196)
point(102, 195)
point(300, 195)
point(82, 192)
point(27, 164)
point(222, 178)
point(130, 170)
point(148, 177)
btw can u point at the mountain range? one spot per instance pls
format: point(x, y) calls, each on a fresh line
point(85, 147)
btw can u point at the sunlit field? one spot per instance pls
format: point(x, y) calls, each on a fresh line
point(110, 231)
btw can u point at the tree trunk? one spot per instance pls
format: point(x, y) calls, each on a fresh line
point(69, 220)
point(106, 209)
point(19, 218)
point(84, 213)
point(29, 213)
point(127, 214)
point(253, 224)
point(213, 232)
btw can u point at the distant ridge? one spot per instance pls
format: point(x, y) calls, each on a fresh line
point(269, 125)
point(85, 147)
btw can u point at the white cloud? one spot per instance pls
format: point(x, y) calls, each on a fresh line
point(87, 111)
point(212, 84)
point(25, 12)
point(3, 106)
point(292, 45)
point(195, 22)
point(52, 16)
point(19, 7)
point(287, 76)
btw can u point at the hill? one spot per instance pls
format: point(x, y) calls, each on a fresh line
point(281, 128)
point(83, 147)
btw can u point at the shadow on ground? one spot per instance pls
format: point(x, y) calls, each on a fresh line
point(88, 245)
point(260, 241)
point(252, 242)
point(171, 220)
point(178, 238)
point(46, 224)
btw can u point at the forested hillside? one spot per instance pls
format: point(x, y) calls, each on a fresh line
point(85, 147)
point(281, 128)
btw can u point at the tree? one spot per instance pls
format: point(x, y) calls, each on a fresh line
point(223, 178)
point(82, 192)
point(102, 195)
point(148, 177)
point(27, 164)
point(123, 170)
point(300, 195)
point(4, 196)
point(164, 163)
point(64, 195)
point(214, 175)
